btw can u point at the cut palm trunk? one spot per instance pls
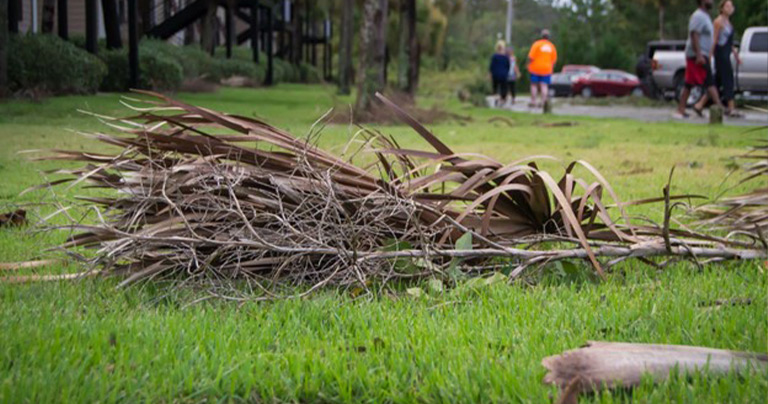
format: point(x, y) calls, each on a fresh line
point(605, 365)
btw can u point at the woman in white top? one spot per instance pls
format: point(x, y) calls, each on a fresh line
point(514, 73)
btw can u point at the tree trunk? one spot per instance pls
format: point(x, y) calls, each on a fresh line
point(345, 45)
point(111, 24)
point(208, 29)
point(296, 33)
point(407, 63)
point(145, 14)
point(661, 21)
point(373, 37)
point(3, 48)
point(49, 13)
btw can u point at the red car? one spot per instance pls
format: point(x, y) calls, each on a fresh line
point(614, 83)
point(584, 69)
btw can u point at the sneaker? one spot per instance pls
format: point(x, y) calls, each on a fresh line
point(680, 116)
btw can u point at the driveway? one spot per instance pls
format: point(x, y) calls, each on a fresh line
point(572, 107)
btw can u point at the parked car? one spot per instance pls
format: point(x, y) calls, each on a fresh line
point(584, 69)
point(608, 82)
point(644, 66)
point(751, 77)
point(562, 83)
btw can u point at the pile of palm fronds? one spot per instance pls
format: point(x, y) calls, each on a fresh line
point(203, 195)
point(745, 214)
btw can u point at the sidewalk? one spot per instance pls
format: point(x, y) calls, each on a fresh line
point(567, 106)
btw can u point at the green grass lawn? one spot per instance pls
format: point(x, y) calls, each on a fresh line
point(86, 341)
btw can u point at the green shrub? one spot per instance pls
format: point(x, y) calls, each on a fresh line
point(226, 68)
point(477, 89)
point(286, 72)
point(194, 61)
point(117, 66)
point(157, 70)
point(310, 74)
point(48, 64)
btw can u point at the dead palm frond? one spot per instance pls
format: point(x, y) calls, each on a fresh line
point(206, 195)
point(745, 214)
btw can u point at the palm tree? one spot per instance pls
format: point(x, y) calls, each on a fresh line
point(408, 60)
point(373, 36)
point(345, 45)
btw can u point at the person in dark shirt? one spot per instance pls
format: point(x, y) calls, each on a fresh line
point(499, 70)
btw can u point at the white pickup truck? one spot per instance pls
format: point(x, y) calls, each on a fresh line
point(751, 76)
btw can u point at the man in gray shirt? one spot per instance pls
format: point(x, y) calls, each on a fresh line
point(698, 71)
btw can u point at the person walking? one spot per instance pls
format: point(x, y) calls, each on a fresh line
point(499, 70)
point(541, 64)
point(514, 73)
point(722, 49)
point(698, 71)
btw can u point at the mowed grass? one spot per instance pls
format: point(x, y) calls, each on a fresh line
point(86, 341)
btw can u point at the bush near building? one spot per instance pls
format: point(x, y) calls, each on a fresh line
point(49, 65)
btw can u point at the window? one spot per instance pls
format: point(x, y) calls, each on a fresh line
point(759, 42)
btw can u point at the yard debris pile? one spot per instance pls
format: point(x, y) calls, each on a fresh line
point(747, 213)
point(203, 195)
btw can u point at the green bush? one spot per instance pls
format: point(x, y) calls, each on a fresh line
point(226, 68)
point(310, 74)
point(48, 64)
point(194, 61)
point(157, 70)
point(286, 72)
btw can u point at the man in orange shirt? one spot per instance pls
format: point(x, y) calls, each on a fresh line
point(541, 63)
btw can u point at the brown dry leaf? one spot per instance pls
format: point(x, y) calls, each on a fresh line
point(15, 218)
point(15, 266)
point(605, 365)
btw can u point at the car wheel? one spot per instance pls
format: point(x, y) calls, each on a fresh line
point(637, 92)
point(586, 92)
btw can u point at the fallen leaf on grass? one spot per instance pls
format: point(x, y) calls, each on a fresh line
point(736, 301)
point(605, 365)
point(502, 119)
point(16, 218)
point(15, 266)
point(46, 278)
point(558, 124)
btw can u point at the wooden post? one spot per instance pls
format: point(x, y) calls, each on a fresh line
point(91, 26)
point(715, 115)
point(229, 26)
point(14, 12)
point(4, 42)
point(255, 30)
point(269, 79)
point(111, 24)
point(133, 44)
point(62, 19)
point(547, 107)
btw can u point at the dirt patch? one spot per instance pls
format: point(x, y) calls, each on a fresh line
point(383, 115)
point(198, 85)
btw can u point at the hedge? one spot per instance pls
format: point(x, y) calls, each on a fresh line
point(51, 65)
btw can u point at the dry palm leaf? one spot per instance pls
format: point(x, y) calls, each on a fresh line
point(206, 195)
point(600, 365)
point(745, 214)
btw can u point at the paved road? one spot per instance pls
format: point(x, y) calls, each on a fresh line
point(566, 106)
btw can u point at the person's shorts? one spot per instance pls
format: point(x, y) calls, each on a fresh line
point(698, 75)
point(544, 79)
